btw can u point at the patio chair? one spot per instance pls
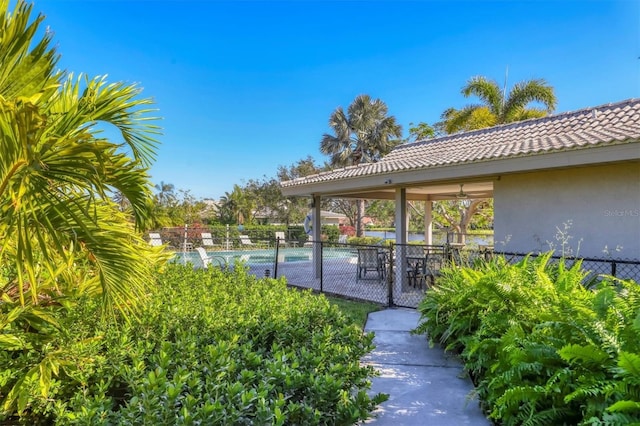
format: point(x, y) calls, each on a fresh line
point(434, 261)
point(416, 265)
point(207, 260)
point(342, 239)
point(369, 259)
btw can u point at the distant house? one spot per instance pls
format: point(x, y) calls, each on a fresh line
point(570, 178)
point(332, 218)
point(268, 216)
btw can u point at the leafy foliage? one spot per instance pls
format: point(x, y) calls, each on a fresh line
point(541, 348)
point(56, 173)
point(211, 347)
point(498, 107)
point(364, 134)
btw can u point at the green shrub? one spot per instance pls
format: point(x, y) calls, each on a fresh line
point(210, 347)
point(365, 241)
point(541, 348)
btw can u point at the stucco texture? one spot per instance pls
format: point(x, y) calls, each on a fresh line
point(585, 211)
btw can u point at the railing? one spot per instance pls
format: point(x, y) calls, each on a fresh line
point(370, 273)
point(627, 269)
point(228, 238)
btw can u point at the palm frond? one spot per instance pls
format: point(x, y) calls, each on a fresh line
point(364, 134)
point(488, 91)
point(24, 70)
point(525, 92)
point(82, 103)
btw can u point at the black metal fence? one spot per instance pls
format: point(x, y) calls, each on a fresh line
point(626, 269)
point(370, 272)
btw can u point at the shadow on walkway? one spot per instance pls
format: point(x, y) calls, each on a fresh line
point(425, 386)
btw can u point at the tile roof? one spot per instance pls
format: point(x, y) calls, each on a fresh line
point(609, 124)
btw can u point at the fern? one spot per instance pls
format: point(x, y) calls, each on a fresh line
point(541, 347)
point(633, 406)
point(614, 419)
point(550, 416)
point(588, 354)
point(628, 367)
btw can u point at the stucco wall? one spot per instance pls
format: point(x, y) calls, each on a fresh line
point(596, 208)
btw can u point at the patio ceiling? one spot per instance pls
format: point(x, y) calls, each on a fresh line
point(420, 192)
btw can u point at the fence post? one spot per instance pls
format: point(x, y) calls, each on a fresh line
point(321, 267)
point(390, 276)
point(613, 268)
point(275, 261)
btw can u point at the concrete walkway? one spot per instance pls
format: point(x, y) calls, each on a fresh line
point(425, 386)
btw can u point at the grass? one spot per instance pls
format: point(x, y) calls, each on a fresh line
point(355, 310)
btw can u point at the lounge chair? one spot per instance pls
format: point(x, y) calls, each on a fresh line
point(309, 242)
point(245, 241)
point(281, 240)
point(369, 259)
point(207, 239)
point(155, 239)
point(208, 260)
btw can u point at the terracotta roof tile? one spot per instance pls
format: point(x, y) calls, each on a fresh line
point(590, 127)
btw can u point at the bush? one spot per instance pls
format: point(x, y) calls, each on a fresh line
point(210, 347)
point(365, 241)
point(541, 348)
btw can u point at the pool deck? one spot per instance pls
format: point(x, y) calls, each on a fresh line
point(341, 278)
point(339, 274)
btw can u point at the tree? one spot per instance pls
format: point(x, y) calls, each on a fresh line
point(268, 199)
point(295, 209)
point(364, 134)
point(498, 108)
point(421, 131)
point(383, 211)
point(57, 175)
point(166, 193)
point(302, 168)
point(236, 207)
point(458, 215)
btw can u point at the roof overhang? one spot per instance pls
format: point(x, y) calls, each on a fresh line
point(443, 182)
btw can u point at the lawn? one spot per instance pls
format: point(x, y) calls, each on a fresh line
point(356, 311)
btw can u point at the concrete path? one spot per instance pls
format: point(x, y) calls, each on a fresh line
point(425, 386)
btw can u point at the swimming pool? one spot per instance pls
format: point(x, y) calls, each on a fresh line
point(267, 256)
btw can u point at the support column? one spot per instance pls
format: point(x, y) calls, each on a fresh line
point(402, 236)
point(428, 222)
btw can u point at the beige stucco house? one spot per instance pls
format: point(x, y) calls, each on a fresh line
point(575, 173)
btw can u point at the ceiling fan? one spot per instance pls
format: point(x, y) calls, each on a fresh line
point(461, 195)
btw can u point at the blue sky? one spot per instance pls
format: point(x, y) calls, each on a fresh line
point(246, 86)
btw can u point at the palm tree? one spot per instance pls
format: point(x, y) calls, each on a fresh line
point(166, 193)
point(497, 107)
point(236, 206)
point(57, 175)
point(363, 135)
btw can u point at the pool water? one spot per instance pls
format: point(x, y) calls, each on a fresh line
point(262, 257)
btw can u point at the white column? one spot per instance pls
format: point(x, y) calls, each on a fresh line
point(402, 236)
point(428, 222)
